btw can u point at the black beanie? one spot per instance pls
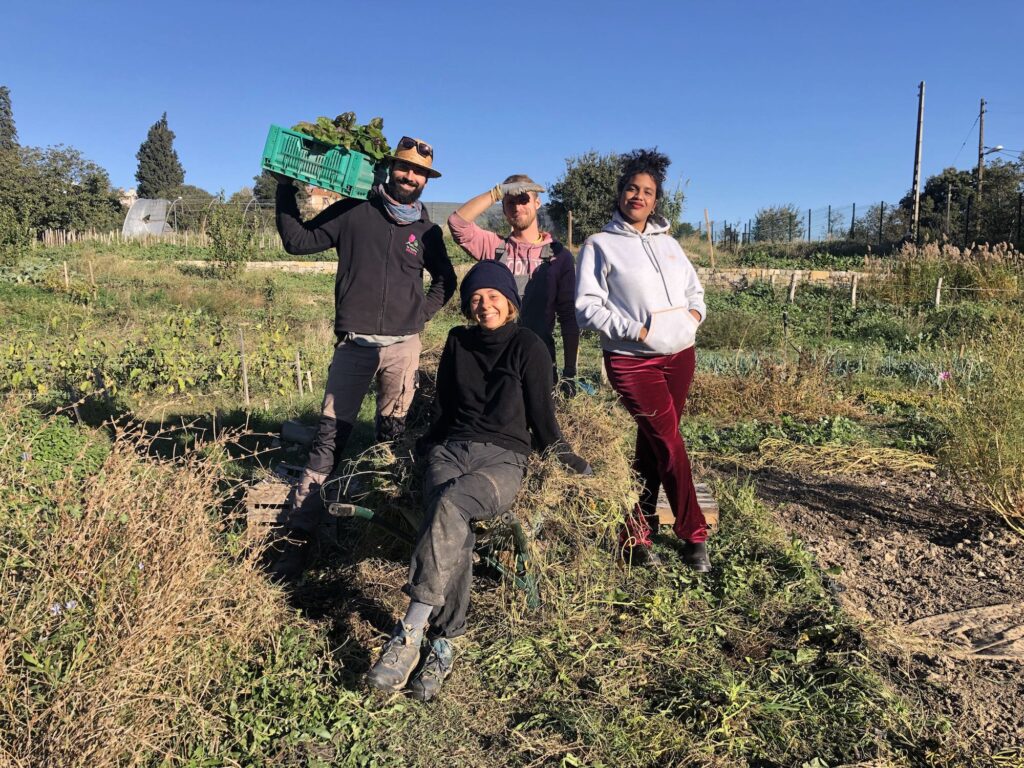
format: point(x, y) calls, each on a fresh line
point(488, 274)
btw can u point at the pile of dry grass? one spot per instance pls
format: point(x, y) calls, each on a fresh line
point(835, 459)
point(124, 608)
point(979, 273)
point(803, 388)
point(984, 420)
point(573, 521)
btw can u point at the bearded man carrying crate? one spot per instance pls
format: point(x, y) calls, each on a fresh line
point(383, 244)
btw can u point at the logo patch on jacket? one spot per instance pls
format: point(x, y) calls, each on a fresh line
point(412, 246)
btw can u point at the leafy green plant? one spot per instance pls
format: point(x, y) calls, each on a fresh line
point(232, 234)
point(14, 237)
point(344, 131)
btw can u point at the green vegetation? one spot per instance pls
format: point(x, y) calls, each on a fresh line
point(136, 626)
point(159, 169)
point(344, 131)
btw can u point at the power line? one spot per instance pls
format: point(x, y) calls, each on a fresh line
point(969, 130)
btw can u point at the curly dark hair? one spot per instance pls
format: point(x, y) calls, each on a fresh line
point(650, 161)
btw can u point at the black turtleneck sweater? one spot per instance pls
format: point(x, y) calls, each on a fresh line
point(495, 387)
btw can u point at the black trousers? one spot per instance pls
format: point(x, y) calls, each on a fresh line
point(464, 482)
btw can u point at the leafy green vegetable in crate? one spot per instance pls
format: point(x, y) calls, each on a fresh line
point(344, 131)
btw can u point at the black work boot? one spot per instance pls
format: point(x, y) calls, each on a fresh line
point(695, 556)
point(398, 658)
point(290, 554)
point(436, 666)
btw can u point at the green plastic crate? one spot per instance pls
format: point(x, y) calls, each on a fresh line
point(297, 156)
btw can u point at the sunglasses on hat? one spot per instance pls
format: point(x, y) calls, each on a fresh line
point(425, 150)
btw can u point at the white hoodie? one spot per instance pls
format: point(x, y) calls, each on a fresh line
point(627, 280)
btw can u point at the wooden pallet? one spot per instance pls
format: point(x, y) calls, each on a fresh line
point(705, 499)
point(265, 500)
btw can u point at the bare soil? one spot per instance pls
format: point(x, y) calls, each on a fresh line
point(909, 547)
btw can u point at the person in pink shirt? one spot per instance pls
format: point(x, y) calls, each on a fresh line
point(544, 269)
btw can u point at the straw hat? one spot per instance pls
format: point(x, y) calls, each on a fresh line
point(416, 152)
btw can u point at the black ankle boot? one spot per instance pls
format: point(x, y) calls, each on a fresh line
point(695, 556)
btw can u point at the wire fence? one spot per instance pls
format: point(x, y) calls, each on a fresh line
point(960, 221)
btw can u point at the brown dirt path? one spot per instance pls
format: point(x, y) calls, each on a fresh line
point(910, 547)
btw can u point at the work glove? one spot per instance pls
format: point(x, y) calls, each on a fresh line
point(519, 187)
point(577, 464)
point(514, 188)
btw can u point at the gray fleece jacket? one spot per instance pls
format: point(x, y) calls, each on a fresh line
point(627, 280)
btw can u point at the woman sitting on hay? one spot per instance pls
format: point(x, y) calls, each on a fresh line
point(493, 402)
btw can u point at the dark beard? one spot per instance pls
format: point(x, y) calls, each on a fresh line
point(401, 196)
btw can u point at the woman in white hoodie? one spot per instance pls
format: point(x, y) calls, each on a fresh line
point(635, 286)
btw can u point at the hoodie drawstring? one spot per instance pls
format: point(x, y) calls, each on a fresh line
point(657, 267)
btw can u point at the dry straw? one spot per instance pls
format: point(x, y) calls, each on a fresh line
point(831, 459)
point(128, 605)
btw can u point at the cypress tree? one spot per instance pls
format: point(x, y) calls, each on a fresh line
point(8, 133)
point(159, 171)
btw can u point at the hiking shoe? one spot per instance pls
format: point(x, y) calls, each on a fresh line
point(437, 665)
point(290, 554)
point(398, 658)
point(695, 556)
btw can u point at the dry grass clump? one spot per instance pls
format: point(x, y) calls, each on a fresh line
point(834, 459)
point(574, 520)
point(122, 610)
point(802, 388)
point(982, 272)
point(984, 419)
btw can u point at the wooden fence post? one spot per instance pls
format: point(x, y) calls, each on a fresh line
point(792, 287)
point(938, 293)
point(67, 280)
point(245, 369)
point(853, 291)
point(711, 239)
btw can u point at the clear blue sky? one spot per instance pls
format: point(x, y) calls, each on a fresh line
point(757, 103)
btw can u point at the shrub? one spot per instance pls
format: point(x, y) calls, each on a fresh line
point(134, 628)
point(985, 423)
point(14, 237)
point(231, 238)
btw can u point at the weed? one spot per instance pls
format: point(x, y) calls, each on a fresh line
point(984, 419)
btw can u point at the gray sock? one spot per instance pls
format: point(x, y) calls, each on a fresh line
point(418, 614)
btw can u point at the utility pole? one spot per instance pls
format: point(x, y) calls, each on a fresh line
point(917, 161)
point(981, 162)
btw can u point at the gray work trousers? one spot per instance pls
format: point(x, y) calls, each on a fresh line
point(352, 369)
point(464, 482)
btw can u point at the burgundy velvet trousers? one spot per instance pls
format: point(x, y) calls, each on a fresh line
point(654, 391)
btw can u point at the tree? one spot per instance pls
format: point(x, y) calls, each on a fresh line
point(8, 133)
point(954, 190)
point(777, 223)
point(1004, 182)
point(588, 189)
point(264, 188)
point(880, 225)
point(951, 184)
point(159, 170)
point(66, 191)
point(190, 206)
